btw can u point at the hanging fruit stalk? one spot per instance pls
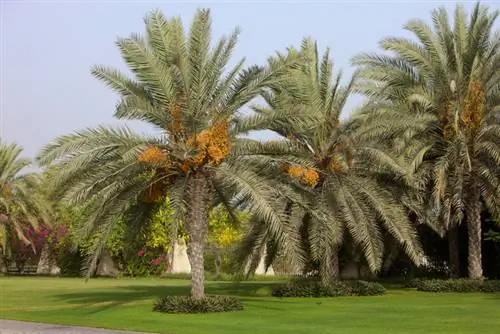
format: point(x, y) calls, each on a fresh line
point(306, 176)
point(472, 115)
point(211, 146)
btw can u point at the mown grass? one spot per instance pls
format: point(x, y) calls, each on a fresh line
point(127, 304)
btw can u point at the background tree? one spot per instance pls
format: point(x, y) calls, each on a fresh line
point(450, 77)
point(22, 205)
point(345, 200)
point(183, 88)
point(224, 233)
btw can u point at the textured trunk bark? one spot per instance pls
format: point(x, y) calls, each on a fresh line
point(391, 257)
point(3, 266)
point(218, 262)
point(474, 230)
point(305, 244)
point(197, 199)
point(330, 269)
point(453, 252)
point(335, 264)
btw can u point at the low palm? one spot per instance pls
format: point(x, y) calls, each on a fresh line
point(449, 78)
point(182, 87)
point(345, 200)
point(21, 203)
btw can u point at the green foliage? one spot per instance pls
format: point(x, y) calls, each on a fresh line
point(182, 84)
point(434, 103)
point(458, 285)
point(314, 288)
point(23, 203)
point(147, 252)
point(186, 304)
point(365, 175)
point(145, 263)
point(224, 234)
point(70, 250)
point(114, 242)
point(159, 234)
point(68, 260)
point(343, 198)
point(492, 235)
point(363, 288)
point(223, 230)
point(413, 283)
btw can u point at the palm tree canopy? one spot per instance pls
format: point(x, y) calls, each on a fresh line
point(21, 202)
point(446, 83)
point(183, 87)
point(336, 167)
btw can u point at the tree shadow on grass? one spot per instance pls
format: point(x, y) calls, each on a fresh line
point(94, 301)
point(492, 295)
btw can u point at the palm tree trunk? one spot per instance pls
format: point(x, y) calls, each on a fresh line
point(218, 261)
point(335, 264)
point(3, 265)
point(391, 257)
point(474, 229)
point(329, 269)
point(197, 199)
point(305, 244)
point(453, 252)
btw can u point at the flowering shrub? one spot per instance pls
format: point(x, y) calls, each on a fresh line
point(146, 262)
point(149, 254)
point(23, 253)
point(146, 255)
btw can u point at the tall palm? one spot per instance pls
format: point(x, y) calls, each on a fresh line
point(450, 77)
point(181, 86)
point(345, 199)
point(21, 203)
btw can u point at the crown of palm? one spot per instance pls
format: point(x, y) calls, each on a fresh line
point(447, 84)
point(183, 88)
point(21, 202)
point(343, 199)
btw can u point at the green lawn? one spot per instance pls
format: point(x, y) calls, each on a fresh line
point(126, 304)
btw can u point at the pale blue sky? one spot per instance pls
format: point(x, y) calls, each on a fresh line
point(48, 48)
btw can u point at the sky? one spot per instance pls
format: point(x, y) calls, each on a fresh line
point(47, 49)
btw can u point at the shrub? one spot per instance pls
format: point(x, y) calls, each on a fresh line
point(458, 285)
point(363, 288)
point(491, 286)
point(186, 304)
point(335, 289)
point(413, 283)
point(314, 288)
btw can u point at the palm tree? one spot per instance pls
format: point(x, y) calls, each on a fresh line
point(181, 87)
point(345, 200)
point(450, 78)
point(21, 203)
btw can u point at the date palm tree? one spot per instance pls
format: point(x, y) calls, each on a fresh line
point(450, 78)
point(182, 87)
point(345, 200)
point(21, 203)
